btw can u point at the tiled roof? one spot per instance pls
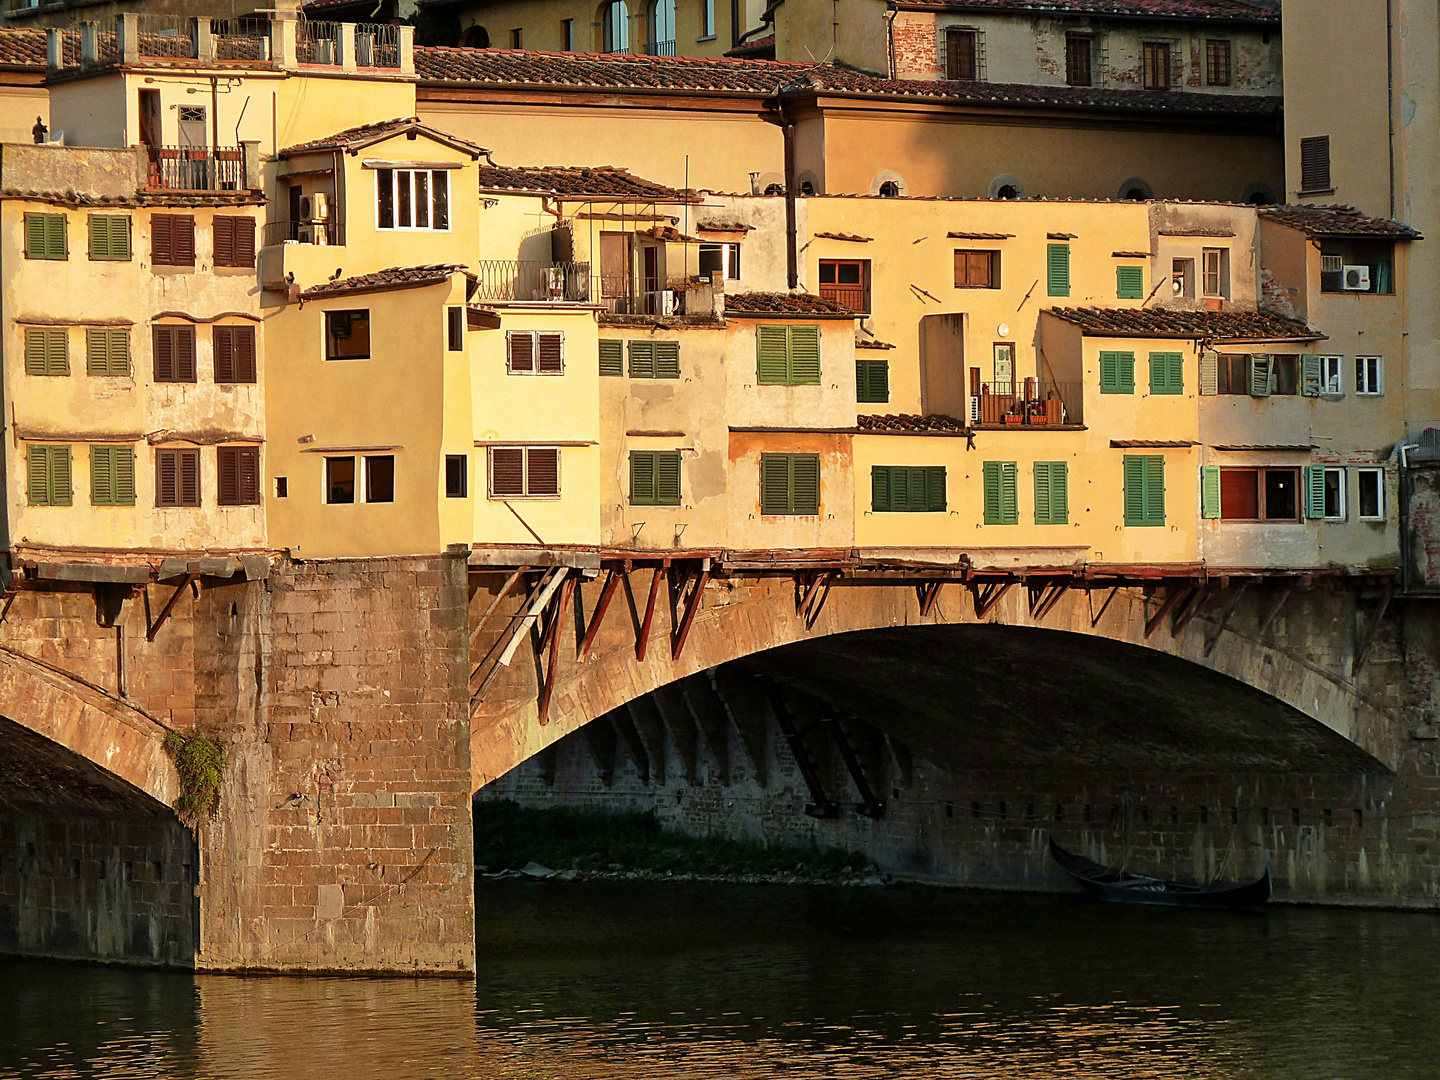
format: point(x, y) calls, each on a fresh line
point(762, 47)
point(74, 199)
point(862, 342)
point(979, 236)
point(911, 422)
point(1129, 254)
point(1151, 444)
point(763, 78)
point(396, 277)
point(855, 238)
point(723, 226)
point(1201, 325)
point(600, 180)
point(24, 47)
point(357, 137)
point(778, 303)
point(1206, 10)
point(1335, 220)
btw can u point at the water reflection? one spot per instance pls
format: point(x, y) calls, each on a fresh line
point(634, 981)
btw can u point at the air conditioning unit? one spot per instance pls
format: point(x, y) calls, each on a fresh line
point(1356, 279)
point(661, 302)
point(314, 234)
point(314, 207)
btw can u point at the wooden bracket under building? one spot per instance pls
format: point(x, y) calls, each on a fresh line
point(1213, 637)
point(1276, 605)
point(607, 593)
point(1172, 598)
point(556, 629)
point(1188, 610)
point(11, 591)
point(821, 806)
point(1371, 628)
point(988, 597)
point(642, 640)
point(870, 806)
point(1041, 601)
point(692, 606)
point(154, 628)
point(500, 596)
point(929, 593)
point(1096, 616)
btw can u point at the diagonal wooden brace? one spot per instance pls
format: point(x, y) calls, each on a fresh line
point(693, 606)
point(642, 642)
point(1171, 599)
point(607, 593)
point(154, 629)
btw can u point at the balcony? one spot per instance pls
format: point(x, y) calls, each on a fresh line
point(508, 279)
point(318, 233)
point(660, 48)
point(1026, 403)
point(851, 296)
point(195, 168)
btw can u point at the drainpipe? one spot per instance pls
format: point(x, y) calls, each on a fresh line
point(1390, 97)
point(775, 114)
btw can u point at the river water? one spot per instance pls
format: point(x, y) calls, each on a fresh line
point(641, 980)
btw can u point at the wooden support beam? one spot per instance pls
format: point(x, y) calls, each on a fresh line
point(552, 670)
point(870, 805)
point(1057, 590)
point(169, 604)
point(1370, 630)
point(803, 608)
point(642, 641)
point(1171, 599)
point(1213, 637)
point(499, 597)
point(989, 598)
point(1191, 608)
point(1096, 616)
point(13, 590)
point(820, 806)
point(1274, 610)
point(697, 591)
point(520, 627)
point(818, 604)
point(929, 593)
point(607, 593)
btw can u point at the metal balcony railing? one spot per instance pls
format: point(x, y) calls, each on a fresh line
point(506, 279)
point(196, 168)
point(377, 46)
point(237, 39)
point(167, 37)
point(660, 48)
point(1026, 403)
point(317, 42)
point(302, 232)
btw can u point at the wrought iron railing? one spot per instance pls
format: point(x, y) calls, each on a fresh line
point(166, 37)
point(660, 48)
point(317, 42)
point(302, 232)
point(196, 168)
point(237, 39)
point(377, 46)
point(506, 279)
point(1026, 403)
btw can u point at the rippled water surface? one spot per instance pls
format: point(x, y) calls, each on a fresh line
point(638, 980)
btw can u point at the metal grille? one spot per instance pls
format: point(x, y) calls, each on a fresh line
point(192, 168)
point(167, 36)
point(508, 279)
point(377, 46)
point(317, 42)
point(238, 40)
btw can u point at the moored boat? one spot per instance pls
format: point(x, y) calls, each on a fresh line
point(1123, 887)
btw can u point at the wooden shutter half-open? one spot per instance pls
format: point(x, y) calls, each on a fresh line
point(1309, 375)
point(1314, 491)
point(1210, 491)
point(1209, 373)
point(1260, 375)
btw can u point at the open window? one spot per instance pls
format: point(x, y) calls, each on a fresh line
point(1260, 494)
point(1357, 266)
point(846, 281)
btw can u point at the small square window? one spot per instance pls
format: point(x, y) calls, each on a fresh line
point(380, 478)
point(1333, 508)
point(1369, 375)
point(347, 335)
point(455, 329)
point(1370, 494)
point(282, 487)
point(340, 480)
point(457, 476)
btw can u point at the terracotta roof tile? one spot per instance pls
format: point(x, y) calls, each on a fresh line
point(396, 277)
point(854, 238)
point(1337, 220)
point(357, 137)
point(723, 226)
point(1151, 444)
point(1245, 11)
point(760, 48)
point(1200, 325)
point(911, 422)
point(75, 199)
point(980, 236)
point(862, 342)
point(778, 303)
point(24, 47)
point(600, 180)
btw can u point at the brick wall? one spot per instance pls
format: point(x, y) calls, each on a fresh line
point(916, 54)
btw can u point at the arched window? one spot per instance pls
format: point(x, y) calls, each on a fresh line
point(615, 26)
point(775, 189)
point(476, 37)
point(1258, 194)
point(807, 188)
point(1136, 189)
point(1007, 191)
point(1007, 186)
point(889, 190)
point(660, 28)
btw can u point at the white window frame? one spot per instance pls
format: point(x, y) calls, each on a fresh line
point(410, 174)
point(727, 248)
point(525, 449)
point(1379, 474)
point(534, 336)
point(1222, 272)
point(1332, 377)
point(707, 20)
point(1343, 489)
point(362, 476)
point(1364, 385)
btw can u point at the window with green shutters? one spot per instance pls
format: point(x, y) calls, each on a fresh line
point(110, 237)
point(612, 358)
point(790, 484)
point(1310, 377)
point(1117, 373)
point(787, 355)
point(1210, 491)
point(45, 236)
point(1144, 490)
point(1057, 269)
point(1130, 282)
point(1315, 492)
point(654, 359)
point(47, 350)
point(112, 475)
point(1001, 493)
point(1052, 493)
point(107, 350)
point(1167, 373)
point(913, 489)
point(872, 381)
point(654, 477)
point(48, 475)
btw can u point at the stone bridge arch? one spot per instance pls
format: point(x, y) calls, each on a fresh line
point(1302, 647)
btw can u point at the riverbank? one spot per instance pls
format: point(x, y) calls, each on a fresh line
point(560, 843)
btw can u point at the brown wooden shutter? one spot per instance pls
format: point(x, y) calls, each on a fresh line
point(522, 352)
point(224, 339)
point(223, 229)
point(167, 486)
point(979, 268)
point(189, 477)
point(248, 470)
point(184, 241)
point(244, 344)
point(244, 241)
point(228, 476)
point(164, 340)
point(507, 471)
point(185, 354)
point(162, 239)
point(543, 472)
point(549, 354)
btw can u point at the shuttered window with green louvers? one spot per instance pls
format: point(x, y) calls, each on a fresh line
point(1130, 282)
point(1310, 375)
point(654, 477)
point(109, 237)
point(913, 489)
point(1260, 375)
point(1057, 269)
point(1314, 491)
point(47, 350)
point(790, 484)
point(1001, 493)
point(1210, 491)
point(1144, 490)
point(787, 355)
point(48, 475)
point(872, 381)
point(1117, 373)
point(654, 359)
point(612, 359)
point(1167, 373)
point(112, 475)
point(45, 236)
point(107, 351)
point(1052, 493)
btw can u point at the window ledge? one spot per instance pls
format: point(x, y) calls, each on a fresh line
point(1310, 193)
point(707, 37)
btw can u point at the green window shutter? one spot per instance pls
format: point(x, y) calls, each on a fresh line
point(102, 475)
point(919, 489)
point(804, 355)
point(1130, 282)
point(667, 359)
point(35, 236)
point(935, 489)
point(642, 478)
point(99, 236)
point(1057, 269)
point(55, 246)
point(805, 484)
point(124, 476)
point(1001, 497)
point(642, 360)
point(1134, 490)
point(36, 351)
point(880, 488)
point(990, 473)
point(120, 238)
point(1309, 375)
point(872, 381)
point(1042, 493)
point(899, 488)
point(667, 478)
point(47, 350)
point(120, 352)
point(1314, 491)
point(771, 355)
point(1210, 491)
point(1125, 363)
point(1010, 493)
point(1259, 375)
point(1110, 373)
point(1167, 373)
point(109, 237)
point(1154, 489)
point(612, 358)
point(774, 484)
point(1052, 494)
point(45, 236)
point(61, 491)
point(37, 468)
point(97, 351)
point(1209, 373)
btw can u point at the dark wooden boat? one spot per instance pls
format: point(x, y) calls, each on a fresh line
point(1122, 887)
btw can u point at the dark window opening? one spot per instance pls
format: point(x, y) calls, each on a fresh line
point(1157, 65)
point(961, 55)
point(846, 281)
point(340, 480)
point(282, 487)
point(1361, 266)
point(1217, 63)
point(889, 190)
point(380, 478)
point(1078, 49)
point(347, 335)
point(1260, 494)
point(1007, 191)
point(457, 478)
point(455, 329)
